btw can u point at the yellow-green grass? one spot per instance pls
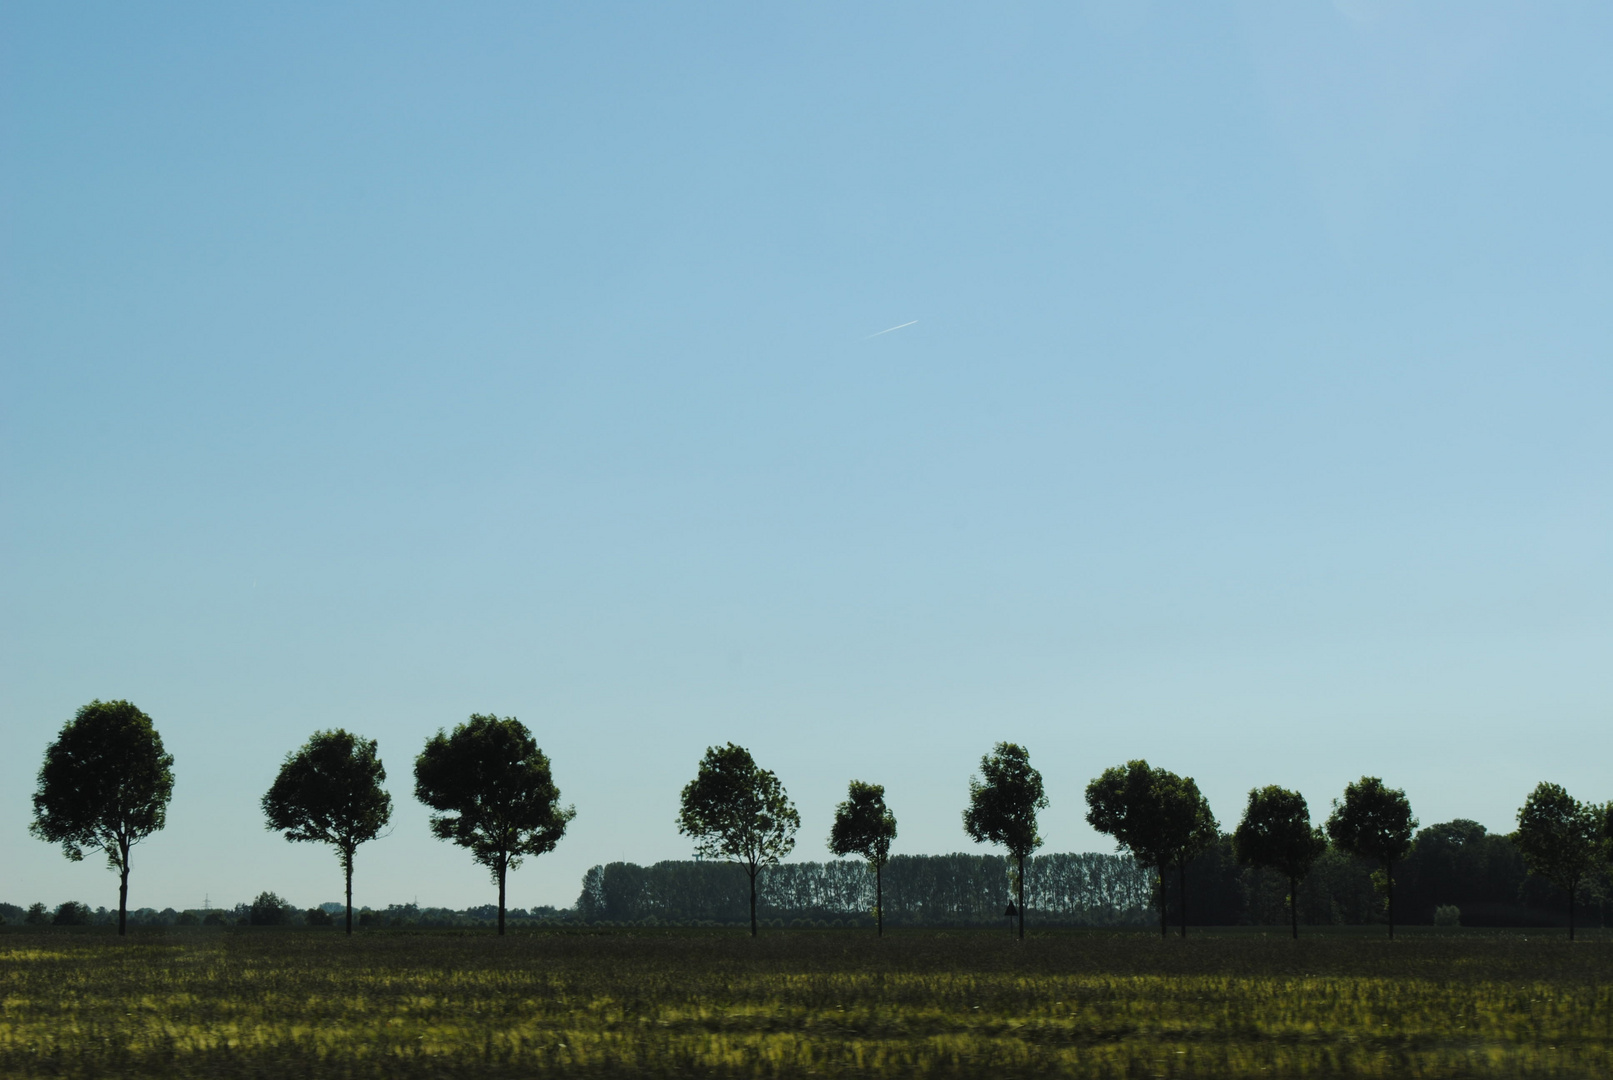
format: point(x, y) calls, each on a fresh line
point(313, 1004)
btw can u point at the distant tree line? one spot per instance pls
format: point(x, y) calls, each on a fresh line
point(268, 909)
point(1457, 867)
point(106, 781)
point(918, 890)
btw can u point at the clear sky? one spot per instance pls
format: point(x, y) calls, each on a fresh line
point(376, 364)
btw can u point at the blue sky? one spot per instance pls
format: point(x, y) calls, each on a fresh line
point(377, 365)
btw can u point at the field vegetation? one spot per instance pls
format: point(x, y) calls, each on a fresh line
point(239, 1002)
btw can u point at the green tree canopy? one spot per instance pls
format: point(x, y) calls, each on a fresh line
point(1374, 823)
point(736, 810)
point(72, 913)
point(269, 909)
point(1159, 817)
point(493, 794)
point(1003, 801)
point(104, 786)
point(1561, 839)
point(329, 792)
point(864, 826)
point(1276, 833)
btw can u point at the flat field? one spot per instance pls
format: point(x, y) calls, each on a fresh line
point(244, 1003)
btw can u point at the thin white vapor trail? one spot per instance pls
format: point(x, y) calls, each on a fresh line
point(889, 329)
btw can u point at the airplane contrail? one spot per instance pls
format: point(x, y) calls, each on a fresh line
point(889, 329)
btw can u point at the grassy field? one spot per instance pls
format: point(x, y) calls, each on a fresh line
point(242, 1003)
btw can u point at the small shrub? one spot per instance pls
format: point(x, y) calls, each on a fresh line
point(187, 918)
point(1447, 915)
point(318, 917)
point(213, 918)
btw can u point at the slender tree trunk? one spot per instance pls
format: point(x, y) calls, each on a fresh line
point(1163, 932)
point(347, 875)
point(752, 870)
point(1571, 891)
point(1181, 870)
point(1022, 898)
point(503, 868)
point(1293, 904)
point(123, 892)
point(1390, 875)
point(879, 900)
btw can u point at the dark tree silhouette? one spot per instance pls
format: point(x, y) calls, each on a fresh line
point(864, 826)
point(269, 909)
point(330, 792)
point(1190, 827)
point(735, 810)
point(1374, 822)
point(1560, 838)
point(1157, 816)
point(105, 786)
point(1002, 809)
point(1276, 833)
point(493, 793)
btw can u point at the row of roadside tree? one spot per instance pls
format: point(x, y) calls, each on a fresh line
point(106, 781)
point(1456, 873)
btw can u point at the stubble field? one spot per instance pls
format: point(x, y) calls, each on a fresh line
point(242, 1003)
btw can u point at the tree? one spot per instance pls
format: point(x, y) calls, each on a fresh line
point(737, 811)
point(1276, 833)
point(269, 910)
point(105, 786)
point(1121, 804)
point(493, 793)
point(330, 792)
point(1189, 826)
point(1156, 815)
point(864, 826)
point(1375, 823)
point(1002, 809)
point(1560, 838)
point(1459, 864)
point(72, 913)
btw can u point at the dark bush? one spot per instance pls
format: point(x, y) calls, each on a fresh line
point(72, 913)
point(269, 910)
point(318, 917)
